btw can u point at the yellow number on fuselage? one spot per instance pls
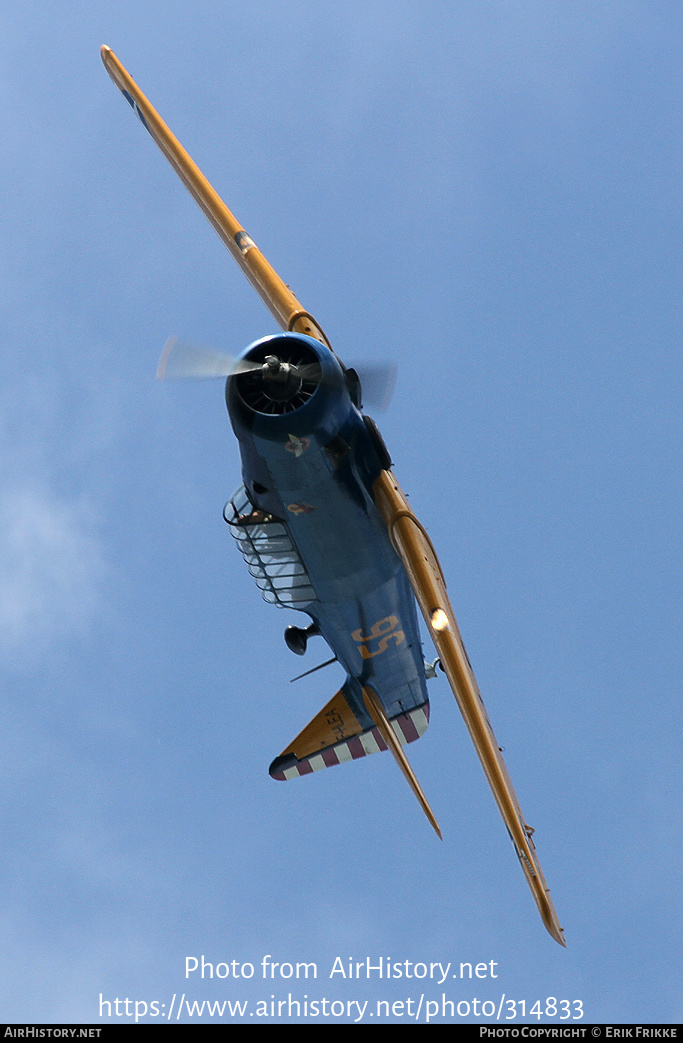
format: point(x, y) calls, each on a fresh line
point(383, 631)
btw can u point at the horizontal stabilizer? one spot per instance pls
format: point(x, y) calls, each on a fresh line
point(336, 735)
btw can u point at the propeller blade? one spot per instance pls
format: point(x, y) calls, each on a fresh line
point(377, 381)
point(415, 550)
point(182, 361)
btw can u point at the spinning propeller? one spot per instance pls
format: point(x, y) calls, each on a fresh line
point(181, 360)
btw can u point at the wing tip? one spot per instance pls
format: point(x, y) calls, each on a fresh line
point(280, 765)
point(112, 65)
point(558, 933)
point(551, 921)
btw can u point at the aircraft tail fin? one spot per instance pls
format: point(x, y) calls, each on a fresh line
point(376, 711)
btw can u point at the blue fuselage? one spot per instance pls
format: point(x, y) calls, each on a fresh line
point(313, 468)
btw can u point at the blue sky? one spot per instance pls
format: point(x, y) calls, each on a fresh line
point(487, 193)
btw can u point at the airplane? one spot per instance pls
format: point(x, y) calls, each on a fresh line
point(325, 529)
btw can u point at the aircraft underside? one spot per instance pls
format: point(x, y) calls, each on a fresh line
point(360, 603)
point(326, 529)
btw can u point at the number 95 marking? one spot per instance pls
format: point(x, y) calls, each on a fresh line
point(384, 631)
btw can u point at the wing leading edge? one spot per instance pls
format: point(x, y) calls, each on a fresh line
point(426, 578)
point(275, 293)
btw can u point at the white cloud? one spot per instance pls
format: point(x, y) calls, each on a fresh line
point(51, 569)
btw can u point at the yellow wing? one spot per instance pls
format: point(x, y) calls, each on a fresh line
point(407, 534)
point(277, 296)
point(429, 586)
